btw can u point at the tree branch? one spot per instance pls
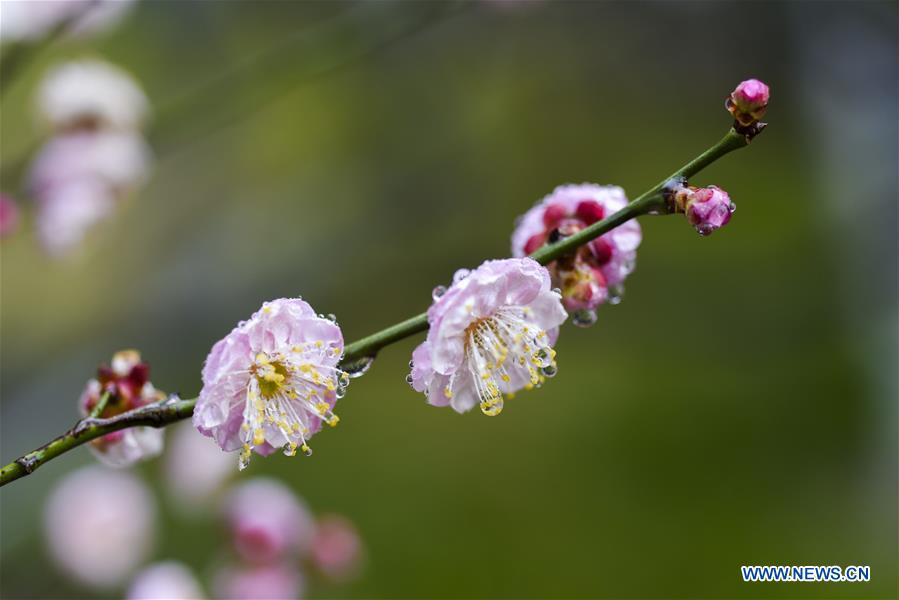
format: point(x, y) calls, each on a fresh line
point(176, 409)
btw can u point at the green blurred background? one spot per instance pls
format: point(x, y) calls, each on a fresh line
point(739, 407)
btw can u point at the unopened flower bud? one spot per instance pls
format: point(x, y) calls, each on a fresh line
point(748, 102)
point(583, 287)
point(707, 209)
point(126, 381)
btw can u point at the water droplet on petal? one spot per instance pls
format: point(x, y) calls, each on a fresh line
point(290, 449)
point(331, 317)
point(550, 370)
point(358, 367)
point(704, 229)
point(243, 461)
point(557, 291)
point(411, 364)
point(438, 292)
point(409, 379)
point(307, 451)
point(583, 318)
point(460, 275)
point(492, 406)
point(732, 208)
point(616, 293)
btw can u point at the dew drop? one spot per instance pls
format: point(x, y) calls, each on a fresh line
point(732, 208)
point(331, 317)
point(409, 379)
point(550, 370)
point(358, 367)
point(583, 318)
point(307, 451)
point(461, 274)
point(243, 461)
point(616, 293)
point(290, 449)
point(438, 292)
point(411, 364)
point(557, 291)
point(492, 406)
point(704, 229)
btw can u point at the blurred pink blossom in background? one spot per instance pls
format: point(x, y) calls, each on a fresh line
point(168, 580)
point(99, 525)
point(29, 20)
point(195, 468)
point(9, 216)
point(337, 548)
point(267, 582)
point(268, 522)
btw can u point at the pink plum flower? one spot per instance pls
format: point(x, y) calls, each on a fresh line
point(272, 381)
point(491, 333)
point(336, 549)
point(126, 381)
point(168, 580)
point(748, 102)
point(707, 209)
point(265, 582)
point(586, 276)
point(77, 179)
point(9, 216)
point(196, 469)
point(99, 525)
point(268, 522)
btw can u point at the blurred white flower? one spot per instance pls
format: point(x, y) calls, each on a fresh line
point(168, 580)
point(76, 180)
point(65, 214)
point(99, 525)
point(26, 20)
point(92, 93)
point(195, 467)
point(119, 160)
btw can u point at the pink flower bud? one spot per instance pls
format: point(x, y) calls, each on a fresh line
point(126, 380)
point(269, 582)
point(707, 209)
point(748, 102)
point(9, 216)
point(583, 287)
point(337, 549)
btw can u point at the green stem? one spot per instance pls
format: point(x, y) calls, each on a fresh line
point(165, 413)
point(101, 404)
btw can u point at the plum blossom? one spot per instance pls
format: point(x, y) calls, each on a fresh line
point(336, 549)
point(263, 582)
point(587, 276)
point(9, 216)
point(91, 94)
point(28, 20)
point(272, 381)
point(99, 525)
point(127, 382)
point(491, 334)
point(707, 209)
point(195, 468)
point(169, 580)
point(748, 102)
point(268, 522)
point(96, 156)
